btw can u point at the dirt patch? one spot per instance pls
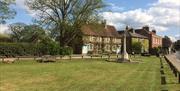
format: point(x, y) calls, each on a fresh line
point(8, 87)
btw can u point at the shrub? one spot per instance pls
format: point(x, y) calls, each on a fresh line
point(66, 51)
point(136, 47)
point(27, 49)
point(155, 51)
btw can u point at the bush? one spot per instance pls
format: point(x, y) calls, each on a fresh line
point(27, 49)
point(155, 51)
point(66, 51)
point(136, 47)
point(15, 49)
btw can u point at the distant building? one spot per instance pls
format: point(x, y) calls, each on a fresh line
point(166, 45)
point(154, 40)
point(177, 45)
point(132, 37)
point(100, 38)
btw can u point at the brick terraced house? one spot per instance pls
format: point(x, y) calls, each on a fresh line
point(154, 39)
point(100, 38)
point(132, 37)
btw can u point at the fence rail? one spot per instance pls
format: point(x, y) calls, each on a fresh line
point(59, 57)
point(174, 65)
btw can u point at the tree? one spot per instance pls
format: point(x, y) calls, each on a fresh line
point(5, 11)
point(21, 32)
point(65, 17)
point(136, 47)
point(34, 34)
point(16, 31)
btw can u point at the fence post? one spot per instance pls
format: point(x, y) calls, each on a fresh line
point(179, 78)
point(18, 58)
point(70, 57)
point(109, 57)
point(3, 59)
point(82, 56)
point(60, 56)
point(34, 57)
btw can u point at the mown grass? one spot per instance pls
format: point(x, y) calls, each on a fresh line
point(83, 75)
point(171, 80)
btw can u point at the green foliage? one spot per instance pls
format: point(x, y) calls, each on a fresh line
point(5, 38)
point(28, 33)
point(14, 49)
point(5, 11)
point(66, 51)
point(155, 50)
point(145, 45)
point(64, 23)
point(17, 31)
point(136, 47)
point(48, 48)
point(27, 49)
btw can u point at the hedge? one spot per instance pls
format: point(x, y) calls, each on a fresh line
point(28, 49)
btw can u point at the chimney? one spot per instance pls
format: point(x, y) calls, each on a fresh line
point(133, 30)
point(146, 28)
point(104, 23)
point(154, 31)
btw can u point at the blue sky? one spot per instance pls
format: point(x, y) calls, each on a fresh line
point(162, 15)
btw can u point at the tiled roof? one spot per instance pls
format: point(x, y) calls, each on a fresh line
point(148, 32)
point(137, 35)
point(100, 30)
point(130, 34)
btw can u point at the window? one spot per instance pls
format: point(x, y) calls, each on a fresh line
point(91, 46)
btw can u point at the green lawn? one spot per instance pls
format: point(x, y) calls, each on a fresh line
point(86, 75)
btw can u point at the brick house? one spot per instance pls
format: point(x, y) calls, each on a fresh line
point(154, 39)
point(166, 45)
point(100, 38)
point(132, 37)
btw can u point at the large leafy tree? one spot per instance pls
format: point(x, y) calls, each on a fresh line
point(5, 11)
point(34, 34)
point(65, 17)
point(16, 31)
point(21, 32)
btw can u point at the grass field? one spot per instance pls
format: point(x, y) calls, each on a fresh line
point(86, 75)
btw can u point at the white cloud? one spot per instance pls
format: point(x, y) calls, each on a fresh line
point(173, 39)
point(115, 7)
point(161, 15)
point(3, 28)
point(22, 4)
point(177, 37)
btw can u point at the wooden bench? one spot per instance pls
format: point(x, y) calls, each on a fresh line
point(26, 57)
point(46, 59)
point(174, 65)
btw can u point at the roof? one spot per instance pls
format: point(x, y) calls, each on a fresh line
point(148, 32)
point(131, 34)
point(100, 30)
point(138, 35)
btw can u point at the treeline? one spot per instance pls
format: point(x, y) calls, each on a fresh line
point(30, 40)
